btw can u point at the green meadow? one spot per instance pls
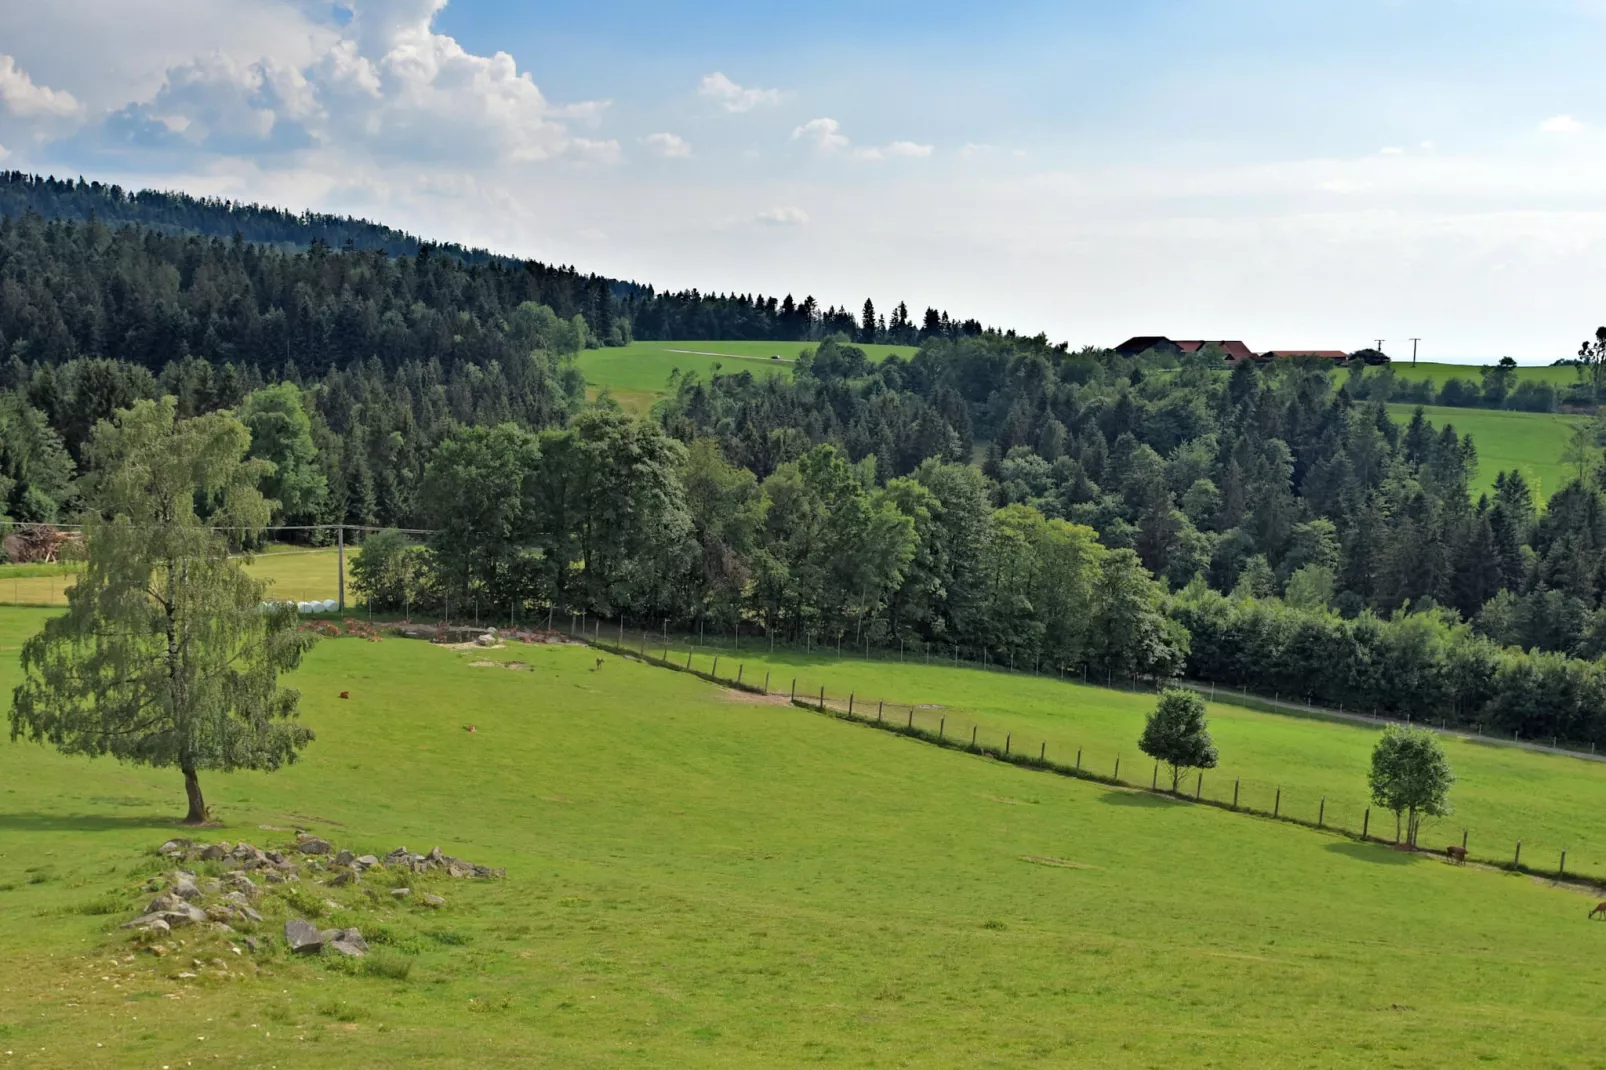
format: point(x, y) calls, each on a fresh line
point(1503, 794)
point(697, 877)
point(638, 374)
point(1438, 374)
point(293, 573)
point(1528, 442)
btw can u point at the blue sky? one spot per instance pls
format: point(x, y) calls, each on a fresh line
point(1295, 174)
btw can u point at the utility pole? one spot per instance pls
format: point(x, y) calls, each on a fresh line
point(1414, 341)
point(1379, 346)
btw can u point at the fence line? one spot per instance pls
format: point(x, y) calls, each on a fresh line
point(932, 725)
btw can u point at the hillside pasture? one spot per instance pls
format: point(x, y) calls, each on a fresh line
point(638, 374)
point(1304, 767)
point(699, 879)
point(1438, 374)
point(1527, 442)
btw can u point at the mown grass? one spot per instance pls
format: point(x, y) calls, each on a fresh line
point(1527, 442)
point(293, 573)
point(699, 881)
point(638, 374)
point(1282, 762)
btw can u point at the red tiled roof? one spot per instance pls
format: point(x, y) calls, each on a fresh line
point(1234, 349)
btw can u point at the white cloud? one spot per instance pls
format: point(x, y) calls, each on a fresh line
point(784, 217)
point(827, 138)
point(669, 146)
point(733, 97)
point(1391, 150)
point(825, 134)
point(22, 98)
point(1561, 124)
point(387, 86)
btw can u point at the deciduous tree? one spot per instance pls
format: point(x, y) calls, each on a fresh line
point(166, 655)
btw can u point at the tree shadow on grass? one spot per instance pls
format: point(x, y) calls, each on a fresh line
point(1136, 798)
point(85, 822)
point(1378, 853)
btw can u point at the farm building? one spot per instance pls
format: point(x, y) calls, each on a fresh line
point(1233, 349)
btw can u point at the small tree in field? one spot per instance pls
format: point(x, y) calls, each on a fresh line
point(1176, 734)
point(1411, 776)
point(165, 656)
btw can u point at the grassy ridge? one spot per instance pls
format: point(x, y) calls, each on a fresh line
point(698, 881)
point(1438, 374)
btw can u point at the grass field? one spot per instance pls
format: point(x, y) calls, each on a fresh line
point(695, 880)
point(294, 574)
point(1529, 442)
point(1503, 794)
point(637, 375)
point(1559, 377)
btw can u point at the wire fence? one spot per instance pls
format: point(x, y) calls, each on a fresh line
point(1347, 814)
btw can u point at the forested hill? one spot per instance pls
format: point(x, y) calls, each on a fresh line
point(80, 200)
point(615, 310)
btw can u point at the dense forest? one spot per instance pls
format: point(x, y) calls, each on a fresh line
point(443, 276)
point(1264, 525)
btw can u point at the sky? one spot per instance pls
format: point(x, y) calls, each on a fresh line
point(1316, 174)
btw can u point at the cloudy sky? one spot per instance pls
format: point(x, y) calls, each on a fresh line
point(1320, 173)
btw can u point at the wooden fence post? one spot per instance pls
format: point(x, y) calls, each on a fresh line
point(1043, 752)
point(1366, 822)
point(714, 672)
point(1235, 793)
point(1154, 782)
point(1117, 777)
point(1198, 789)
point(1561, 870)
point(1078, 759)
point(1321, 813)
point(1276, 806)
point(911, 717)
point(794, 690)
point(822, 700)
point(766, 682)
point(850, 703)
point(1463, 839)
point(1517, 860)
point(739, 668)
point(688, 661)
point(972, 737)
point(1007, 737)
point(942, 726)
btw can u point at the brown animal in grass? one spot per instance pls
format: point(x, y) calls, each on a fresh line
point(599, 665)
point(1458, 855)
point(345, 694)
point(1600, 908)
point(470, 729)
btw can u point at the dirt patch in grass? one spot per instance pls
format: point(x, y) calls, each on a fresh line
point(753, 699)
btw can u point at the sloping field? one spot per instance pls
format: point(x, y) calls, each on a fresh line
point(637, 375)
point(1528, 442)
point(1276, 761)
point(696, 880)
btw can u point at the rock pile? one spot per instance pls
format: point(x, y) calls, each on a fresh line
point(230, 900)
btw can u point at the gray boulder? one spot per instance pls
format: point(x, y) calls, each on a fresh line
point(400, 893)
point(214, 852)
point(348, 942)
point(367, 861)
point(345, 858)
point(431, 900)
point(302, 937)
point(312, 845)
